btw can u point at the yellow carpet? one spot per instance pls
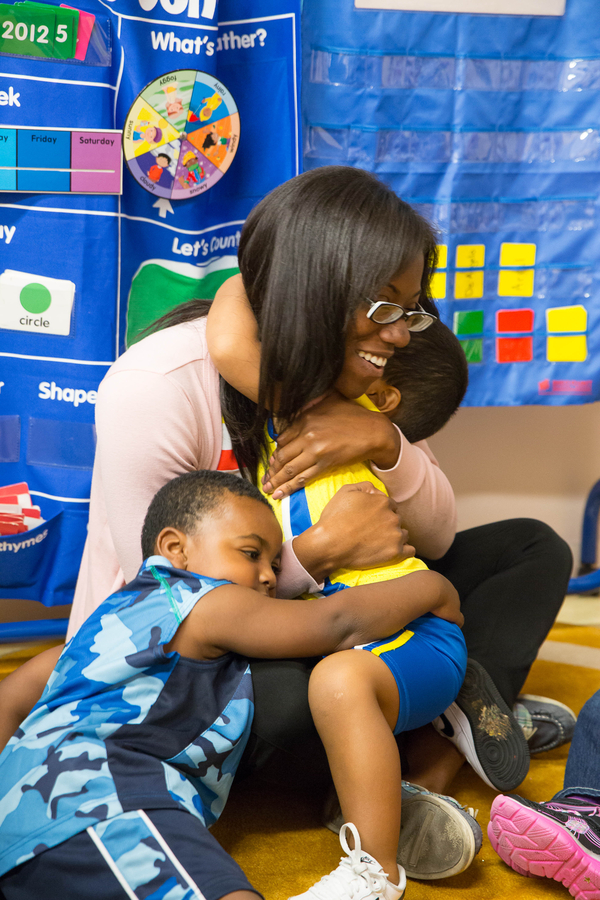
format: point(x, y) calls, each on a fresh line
point(280, 843)
point(278, 839)
point(14, 655)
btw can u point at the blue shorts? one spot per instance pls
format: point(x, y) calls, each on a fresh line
point(428, 660)
point(157, 853)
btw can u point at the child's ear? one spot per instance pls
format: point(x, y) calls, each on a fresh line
point(385, 397)
point(172, 544)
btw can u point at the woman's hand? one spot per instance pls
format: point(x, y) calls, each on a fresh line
point(358, 529)
point(332, 433)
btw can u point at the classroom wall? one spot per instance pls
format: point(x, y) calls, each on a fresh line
point(522, 461)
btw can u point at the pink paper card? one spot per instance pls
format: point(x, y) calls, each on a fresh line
point(31, 512)
point(6, 529)
point(21, 491)
point(21, 488)
point(84, 31)
point(12, 524)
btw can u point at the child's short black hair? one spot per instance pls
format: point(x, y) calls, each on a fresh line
point(432, 375)
point(183, 502)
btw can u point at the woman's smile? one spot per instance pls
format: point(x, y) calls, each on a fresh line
point(370, 344)
point(378, 362)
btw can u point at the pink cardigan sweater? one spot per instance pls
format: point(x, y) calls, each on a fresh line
point(157, 416)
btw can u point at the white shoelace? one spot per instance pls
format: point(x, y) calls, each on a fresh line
point(357, 876)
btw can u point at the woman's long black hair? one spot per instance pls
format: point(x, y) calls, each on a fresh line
point(309, 254)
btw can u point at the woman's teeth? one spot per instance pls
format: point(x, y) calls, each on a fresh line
point(379, 361)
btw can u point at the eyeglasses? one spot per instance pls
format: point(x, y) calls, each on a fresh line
point(384, 313)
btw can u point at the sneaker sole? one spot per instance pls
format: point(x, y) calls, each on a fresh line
point(532, 844)
point(436, 841)
point(499, 747)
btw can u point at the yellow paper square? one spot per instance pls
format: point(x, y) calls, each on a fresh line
point(468, 285)
point(566, 318)
point(470, 256)
point(438, 285)
point(517, 254)
point(567, 349)
point(515, 282)
point(442, 256)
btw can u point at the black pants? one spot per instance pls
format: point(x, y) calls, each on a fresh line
point(511, 577)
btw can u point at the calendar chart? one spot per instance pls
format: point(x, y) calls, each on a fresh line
point(59, 160)
point(500, 313)
point(181, 134)
point(486, 123)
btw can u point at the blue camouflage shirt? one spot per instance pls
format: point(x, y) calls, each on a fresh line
point(124, 725)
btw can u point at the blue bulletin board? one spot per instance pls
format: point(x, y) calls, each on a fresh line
point(114, 263)
point(490, 126)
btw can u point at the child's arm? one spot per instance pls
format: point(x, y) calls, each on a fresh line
point(21, 690)
point(239, 619)
point(232, 336)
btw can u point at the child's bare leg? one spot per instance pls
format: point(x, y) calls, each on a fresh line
point(354, 702)
point(433, 762)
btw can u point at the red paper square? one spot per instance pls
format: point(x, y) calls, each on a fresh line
point(514, 320)
point(510, 350)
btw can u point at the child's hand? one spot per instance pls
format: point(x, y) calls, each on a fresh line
point(332, 433)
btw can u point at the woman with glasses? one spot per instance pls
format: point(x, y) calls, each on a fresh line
point(336, 269)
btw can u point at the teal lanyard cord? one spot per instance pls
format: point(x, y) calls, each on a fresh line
point(169, 593)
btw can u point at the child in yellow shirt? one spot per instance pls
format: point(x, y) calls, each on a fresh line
point(411, 677)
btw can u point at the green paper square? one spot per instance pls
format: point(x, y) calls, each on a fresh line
point(468, 322)
point(473, 349)
point(26, 23)
point(68, 19)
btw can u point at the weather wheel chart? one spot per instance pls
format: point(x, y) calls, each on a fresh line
point(181, 134)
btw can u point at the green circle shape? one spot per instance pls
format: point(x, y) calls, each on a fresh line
point(35, 298)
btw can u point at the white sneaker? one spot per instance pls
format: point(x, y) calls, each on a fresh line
point(358, 877)
point(438, 836)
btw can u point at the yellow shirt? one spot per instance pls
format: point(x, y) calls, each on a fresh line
point(304, 508)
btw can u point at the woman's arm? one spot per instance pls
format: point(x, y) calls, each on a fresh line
point(425, 498)
point(331, 433)
point(157, 416)
point(337, 432)
point(147, 435)
point(232, 336)
point(359, 529)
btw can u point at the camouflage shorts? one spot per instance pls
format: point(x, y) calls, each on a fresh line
point(159, 853)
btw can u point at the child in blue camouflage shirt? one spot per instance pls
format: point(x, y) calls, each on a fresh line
point(109, 784)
